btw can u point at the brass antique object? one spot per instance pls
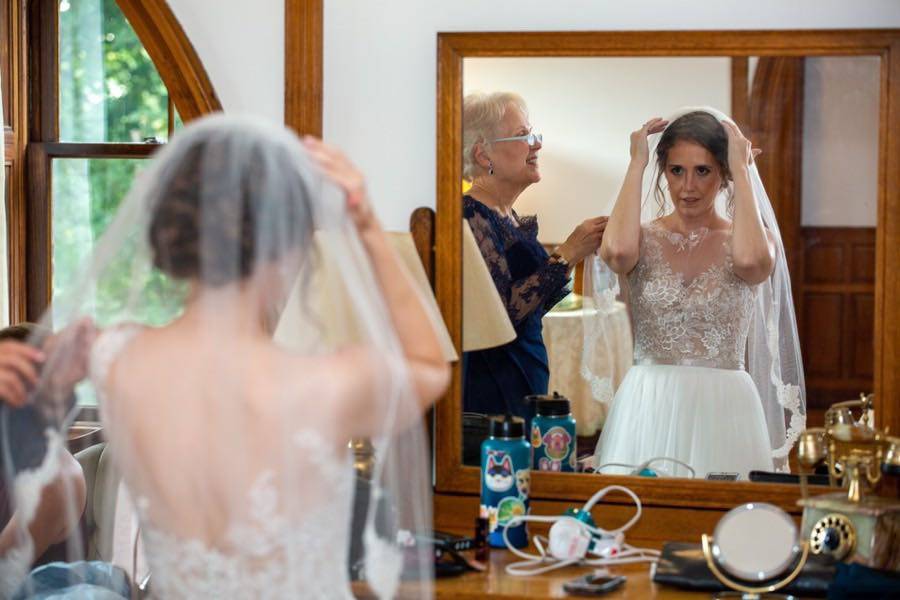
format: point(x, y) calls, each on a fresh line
point(755, 551)
point(833, 534)
point(572, 301)
point(853, 525)
point(363, 457)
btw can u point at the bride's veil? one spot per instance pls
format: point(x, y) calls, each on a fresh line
point(234, 443)
point(773, 347)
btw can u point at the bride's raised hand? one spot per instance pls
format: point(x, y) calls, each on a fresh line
point(740, 152)
point(338, 168)
point(640, 151)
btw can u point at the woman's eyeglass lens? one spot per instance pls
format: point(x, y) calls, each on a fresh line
point(531, 138)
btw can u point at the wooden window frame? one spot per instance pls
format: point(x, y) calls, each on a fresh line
point(190, 92)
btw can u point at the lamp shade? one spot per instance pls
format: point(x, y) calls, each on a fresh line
point(334, 318)
point(486, 323)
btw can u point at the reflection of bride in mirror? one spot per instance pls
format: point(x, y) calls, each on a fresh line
point(717, 380)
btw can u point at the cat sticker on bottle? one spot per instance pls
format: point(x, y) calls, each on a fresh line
point(498, 473)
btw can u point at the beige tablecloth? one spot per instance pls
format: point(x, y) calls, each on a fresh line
point(563, 337)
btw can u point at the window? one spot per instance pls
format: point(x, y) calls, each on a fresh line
point(102, 111)
point(83, 108)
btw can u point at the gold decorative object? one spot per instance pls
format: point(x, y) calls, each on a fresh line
point(852, 448)
point(854, 525)
point(755, 551)
point(363, 457)
point(572, 301)
point(892, 456)
point(750, 592)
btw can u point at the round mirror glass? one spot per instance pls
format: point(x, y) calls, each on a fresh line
point(755, 541)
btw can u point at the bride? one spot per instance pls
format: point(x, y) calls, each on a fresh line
point(717, 380)
point(235, 447)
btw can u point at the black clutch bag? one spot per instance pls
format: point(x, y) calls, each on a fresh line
point(683, 565)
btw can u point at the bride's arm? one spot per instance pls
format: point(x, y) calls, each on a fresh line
point(621, 244)
point(752, 246)
point(428, 369)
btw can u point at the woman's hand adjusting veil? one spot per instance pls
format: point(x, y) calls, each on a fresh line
point(68, 354)
point(337, 167)
point(583, 240)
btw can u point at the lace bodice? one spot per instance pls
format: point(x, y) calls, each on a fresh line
point(687, 305)
point(266, 553)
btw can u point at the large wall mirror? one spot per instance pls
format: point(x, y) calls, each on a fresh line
point(822, 107)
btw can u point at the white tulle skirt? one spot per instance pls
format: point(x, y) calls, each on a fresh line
point(711, 419)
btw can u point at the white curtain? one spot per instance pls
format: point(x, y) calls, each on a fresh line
point(4, 241)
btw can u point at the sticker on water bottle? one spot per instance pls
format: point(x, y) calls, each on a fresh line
point(556, 443)
point(509, 507)
point(498, 473)
point(536, 436)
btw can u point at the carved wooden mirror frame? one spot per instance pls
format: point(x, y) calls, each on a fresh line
point(454, 478)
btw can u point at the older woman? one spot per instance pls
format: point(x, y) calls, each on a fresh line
point(500, 158)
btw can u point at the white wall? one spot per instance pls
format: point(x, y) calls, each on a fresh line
point(586, 108)
point(380, 56)
point(380, 65)
point(840, 141)
point(241, 45)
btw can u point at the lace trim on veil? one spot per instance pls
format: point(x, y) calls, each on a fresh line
point(601, 288)
point(26, 492)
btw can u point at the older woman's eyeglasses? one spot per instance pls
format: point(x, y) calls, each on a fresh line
point(531, 138)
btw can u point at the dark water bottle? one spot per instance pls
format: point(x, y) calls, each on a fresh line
point(553, 434)
point(505, 479)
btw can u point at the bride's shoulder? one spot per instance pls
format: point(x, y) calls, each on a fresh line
point(108, 344)
point(652, 231)
point(656, 226)
point(120, 331)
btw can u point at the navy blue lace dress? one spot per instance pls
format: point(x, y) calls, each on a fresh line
point(529, 285)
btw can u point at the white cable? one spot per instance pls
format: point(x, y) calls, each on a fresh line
point(636, 469)
point(627, 554)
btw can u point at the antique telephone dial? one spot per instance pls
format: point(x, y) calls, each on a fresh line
point(852, 525)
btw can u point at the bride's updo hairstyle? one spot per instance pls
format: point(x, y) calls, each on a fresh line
point(229, 196)
point(700, 128)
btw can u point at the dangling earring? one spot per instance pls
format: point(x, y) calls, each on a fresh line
point(490, 167)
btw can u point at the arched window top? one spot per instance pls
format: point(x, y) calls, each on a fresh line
point(109, 88)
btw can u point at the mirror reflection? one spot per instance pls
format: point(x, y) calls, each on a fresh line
point(627, 278)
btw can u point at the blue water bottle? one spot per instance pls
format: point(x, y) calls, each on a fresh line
point(505, 478)
point(553, 434)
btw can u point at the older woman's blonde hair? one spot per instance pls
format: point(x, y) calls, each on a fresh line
point(482, 114)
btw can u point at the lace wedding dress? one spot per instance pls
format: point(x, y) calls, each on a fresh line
point(688, 395)
point(230, 382)
point(262, 549)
